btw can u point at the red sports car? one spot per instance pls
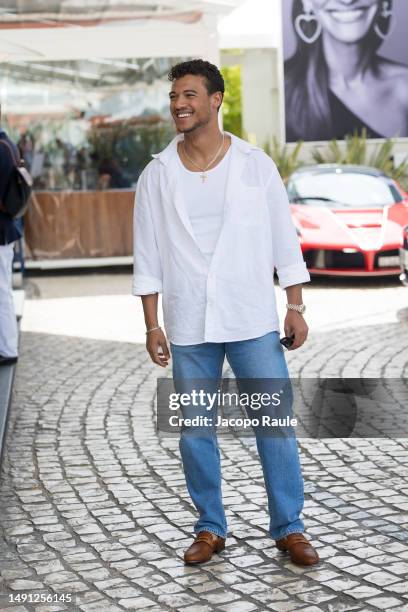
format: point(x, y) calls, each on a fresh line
point(349, 219)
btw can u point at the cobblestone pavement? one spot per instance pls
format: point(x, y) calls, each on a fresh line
point(94, 503)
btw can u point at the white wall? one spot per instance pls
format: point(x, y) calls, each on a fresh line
point(260, 95)
point(260, 92)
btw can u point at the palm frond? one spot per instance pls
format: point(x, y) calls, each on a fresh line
point(286, 162)
point(355, 151)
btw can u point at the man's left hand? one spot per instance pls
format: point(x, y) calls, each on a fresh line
point(295, 324)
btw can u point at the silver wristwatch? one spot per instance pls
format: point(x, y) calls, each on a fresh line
point(298, 307)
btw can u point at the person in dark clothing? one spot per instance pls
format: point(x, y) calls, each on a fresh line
point(117, 179)
point(9, 233)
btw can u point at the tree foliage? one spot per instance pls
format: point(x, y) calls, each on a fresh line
point(232, 103)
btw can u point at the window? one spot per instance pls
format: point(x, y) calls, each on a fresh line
point(87, 124)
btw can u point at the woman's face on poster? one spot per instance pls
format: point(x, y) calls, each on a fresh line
point(346, 20)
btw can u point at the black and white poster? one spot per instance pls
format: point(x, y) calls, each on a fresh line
point(345, 68)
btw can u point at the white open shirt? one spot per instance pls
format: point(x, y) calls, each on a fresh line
point(232, 297)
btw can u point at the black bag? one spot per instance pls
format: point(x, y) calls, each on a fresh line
point(17, 195)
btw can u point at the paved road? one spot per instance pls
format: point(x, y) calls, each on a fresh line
point(93, 502)
point(100, 306)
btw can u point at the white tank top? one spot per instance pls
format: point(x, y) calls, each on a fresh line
point(205, 202)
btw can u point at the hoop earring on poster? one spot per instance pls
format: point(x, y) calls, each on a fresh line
point(386, 13)
point(304, 19)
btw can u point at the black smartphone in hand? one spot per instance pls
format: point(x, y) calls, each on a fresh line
point(287, 341)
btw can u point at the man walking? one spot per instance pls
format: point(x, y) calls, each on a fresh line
point(9, 233)
point(211, 223)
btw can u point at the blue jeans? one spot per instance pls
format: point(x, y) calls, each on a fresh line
point(256, 358)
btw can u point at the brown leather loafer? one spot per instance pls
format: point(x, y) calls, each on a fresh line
point(300, 550)
point(203, 548)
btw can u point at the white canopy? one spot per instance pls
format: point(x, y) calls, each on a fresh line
point(73, 29)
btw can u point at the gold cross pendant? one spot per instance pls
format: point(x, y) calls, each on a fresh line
point(204, 177)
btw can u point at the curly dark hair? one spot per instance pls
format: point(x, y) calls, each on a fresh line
point(213, 77)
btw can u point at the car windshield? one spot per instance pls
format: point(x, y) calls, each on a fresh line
point(342, 188)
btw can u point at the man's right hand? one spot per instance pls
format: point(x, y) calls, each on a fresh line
point(156, 340)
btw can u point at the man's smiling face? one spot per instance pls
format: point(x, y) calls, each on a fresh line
point(191, 105)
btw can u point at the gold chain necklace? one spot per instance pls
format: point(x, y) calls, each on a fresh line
point(203, 175)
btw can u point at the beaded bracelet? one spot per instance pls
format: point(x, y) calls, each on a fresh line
point(153, 329)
